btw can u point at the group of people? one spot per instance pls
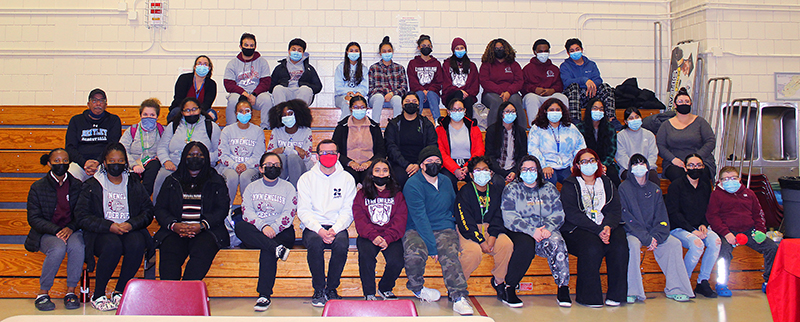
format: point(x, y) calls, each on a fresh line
point(414, 190)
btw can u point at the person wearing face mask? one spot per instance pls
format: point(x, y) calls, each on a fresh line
point(114, 212)
point(325, 207)
point(290, 138)
point(506, 142)
point(191, 125)
point(425, 76)
point(268, 209)
point(387, 82)
point(350, 79)
point(141, 142)
point(380, 216)
point(600, 136)
point(247, 75)
point(460, 76)
point(54, 230)
point(191, 211)
point(554, 141)
point(541, 79)
point(431, 232)
point(687, 202)
point(89, 133)
point(647, 223)
point(582, 82)
point(406, 135)
point(480, 224)
point(532, 213)
point(633, 139)
point(733, 209)
point(460, 139)
point(240, 146)
point(501, 79)
point(295, 77)
point(199, 84)
point(360, 140)
point(684, 134)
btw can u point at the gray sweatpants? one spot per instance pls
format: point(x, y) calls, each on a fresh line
point(669, 256)
point(282, 94)
point(55, 249)
point(377, 103)
point(235, 180)
point(293, 168)
point(263, 104)
point(416, 255)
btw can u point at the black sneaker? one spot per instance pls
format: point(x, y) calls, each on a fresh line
point(71, 301)
point(332, 295)
point(43, 303)
point(704, 288)
point(500, 289)
point(563, 297)
point(511, 297)
point(318, 299)
point(262, 304)
point(388, 295)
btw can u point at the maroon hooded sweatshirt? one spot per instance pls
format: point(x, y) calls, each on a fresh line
point(544, 75)
point(453, 82)
point(383, 216)
point(424, 75)
point(500, 77)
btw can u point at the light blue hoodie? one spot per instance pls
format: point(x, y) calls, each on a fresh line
point(341, 86)
point(572, 73)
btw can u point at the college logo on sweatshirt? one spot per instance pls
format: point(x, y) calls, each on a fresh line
point(380, 209)
point(425, 74)
point(459, 80)
point(508, 70)
point(242, 149)
point(247, 77)
point(94, 134)
point(264, 204)
point(550, 74)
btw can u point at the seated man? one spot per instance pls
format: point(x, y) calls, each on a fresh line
point(541, 79)
point(247, 75)
point(734, 209)
point(89, 133)
point(294, 77)
point(581, 79)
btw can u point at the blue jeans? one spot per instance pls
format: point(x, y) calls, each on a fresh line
point(560, 175)
point(432, 101)
point(712, 243)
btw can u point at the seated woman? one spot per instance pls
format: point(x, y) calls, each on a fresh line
point(592, 230)
point(532, 213)
point(191, 212)
point(460, 76)
point(142, 148)
point(459, 140)
point(359, 139)
point(501, 79)
point(506, 142)
point(687, 202)
point(240, 147)
point(388, 83)
point(684, 134)
point(425, 77)
point(634, 139)
point(197, 84)
point(268, 209)
point(647, 223)
point(554, 141)
point(54, 231)
point(350, 79)
point(290, 138)
point(406, 135)
point(600, 136)
point(380, 216)
point(114, 213)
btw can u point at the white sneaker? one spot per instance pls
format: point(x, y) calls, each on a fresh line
point(462, 306)
point(428, 294)
point(103, 304)
point(282, 253)
point(612, 303)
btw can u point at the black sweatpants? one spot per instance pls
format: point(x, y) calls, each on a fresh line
point(267, 261)
point(316, 258)
point(149, 176)
point(367, 253)
point(590, 251)
point(201, 251)
point(108, 248)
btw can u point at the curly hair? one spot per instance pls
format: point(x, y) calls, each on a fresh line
point(541, 117)
point(302, 113)
point(488, 54)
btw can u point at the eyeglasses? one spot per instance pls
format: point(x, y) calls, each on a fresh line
point(458, 110)
point(271, 164)
point(327, 152)
point(191, 110)
point(95, 100)
point(695, 166)
point(434, 162)
point(736, 178)
point(587, 161)
point(532, 169)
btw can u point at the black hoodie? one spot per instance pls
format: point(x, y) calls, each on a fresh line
point(87, 138)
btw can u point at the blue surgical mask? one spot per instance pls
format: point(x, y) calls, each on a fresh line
point(529, 177)
point(460, 53)
point(597, 115)
point(575, 55)
point(387, 57)
point(202, 70)
point(353, 56)
point(244, 118)
point(295, 55)
point(639, 170)
point(359, 114)
point(482, 177)
point(554, 117)
point(589, 169)
point(456, 116)
point(509, 118)
point(289, 121)
point(149, 123)
point(543, 56)
point(635, 124)
point(731, 186)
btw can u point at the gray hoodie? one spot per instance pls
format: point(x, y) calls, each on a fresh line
point(525, 209)
point(643, 210)
point(171, 144)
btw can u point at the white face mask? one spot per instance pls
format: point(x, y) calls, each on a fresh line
point(543, 56)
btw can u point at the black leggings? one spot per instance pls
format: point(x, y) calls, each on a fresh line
point(109, 248)
point(201, 251)
point(367, 253)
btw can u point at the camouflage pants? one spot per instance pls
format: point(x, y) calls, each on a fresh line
point(416, 254)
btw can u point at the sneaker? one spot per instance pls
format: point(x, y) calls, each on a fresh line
point(678, 297)
point(388, 295)
point(631, 299)
point(704, 288)
point(593, 306)
point(262, 304)
point(612, 303)
point(428, 294)
point(764, 288)
point(462, 306)
point(370, 298)
point(71, 301)
point(103, 304)
point(563, 297)
point(318, 299)
point(500, 289)
point(332, 295)
point(512, 300)
point(43, 303)
point(116, 298)
point(282, 253)
point(723, 290)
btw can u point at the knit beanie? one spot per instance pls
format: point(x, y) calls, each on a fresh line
point(457, 41)
point(429, 151)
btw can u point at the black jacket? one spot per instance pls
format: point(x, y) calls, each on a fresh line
point(87, 138)
point(393, 141)
point(90, 215)
point(41, 207)
point(184, 83)
point(574, 214)
point(280, 76)
point(494, 145)
point(213, 210)
point(468, 212)
point(340, 135)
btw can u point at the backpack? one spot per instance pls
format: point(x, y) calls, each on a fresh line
point(209, 128)
point(136, 126)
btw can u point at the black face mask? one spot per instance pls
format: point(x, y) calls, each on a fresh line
point(59, 169)
point(432, 169)
point(195, 163)
point(272, 172)
point(683, 108)
point(380, 181)
point(115, 169)
point(694, 173)
point(411, 108)
point(192, 119)
point(500, 53)
point(248, 51)
point(425, 51)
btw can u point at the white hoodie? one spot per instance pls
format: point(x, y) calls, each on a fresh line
point(326, 200)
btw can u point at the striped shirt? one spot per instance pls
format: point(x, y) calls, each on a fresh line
point(191, 208)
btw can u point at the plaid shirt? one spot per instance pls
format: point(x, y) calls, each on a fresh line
point(384, 79)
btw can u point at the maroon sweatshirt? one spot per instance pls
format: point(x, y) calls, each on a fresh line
point(734, 212)
point(452, 81)
point(383, 216)
point(544, 75)
point(424, 75)
point(500, 77)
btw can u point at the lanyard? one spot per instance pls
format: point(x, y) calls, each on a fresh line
point(141, 139)
point(483, 203)
point(189, 132)
point(557, 138)
point(198, 90)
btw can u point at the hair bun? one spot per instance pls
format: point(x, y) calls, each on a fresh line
point(44, 159)
point(385, 39)
point(683, 91)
